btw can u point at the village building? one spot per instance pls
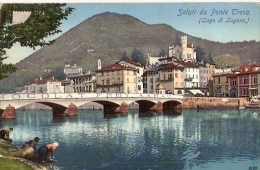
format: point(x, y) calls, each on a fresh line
point(83, 83)
point(152, 80)
point(117, 78)
point(72, 70)
point(221, 84)
point(166, 75)
point(139, 72)
point(171, 77)
point(245, 81)
point(43, 85)
point(206, 71)
point(151, 62)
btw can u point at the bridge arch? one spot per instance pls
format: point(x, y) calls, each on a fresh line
point(109, 107)
point(171, 104)
point(145, 105)
point(57, 109)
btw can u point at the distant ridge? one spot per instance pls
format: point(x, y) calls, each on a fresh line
point(106, 36)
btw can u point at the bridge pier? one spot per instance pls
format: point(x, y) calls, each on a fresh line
point(9, 113)
point(123, 108)
point(157, 107)
point(72, 110)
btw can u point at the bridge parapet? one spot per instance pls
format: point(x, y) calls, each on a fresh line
point(35, 96)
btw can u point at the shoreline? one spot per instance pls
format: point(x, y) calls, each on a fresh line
point(5, 153)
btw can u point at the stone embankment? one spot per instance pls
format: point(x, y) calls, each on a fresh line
point(213, 102)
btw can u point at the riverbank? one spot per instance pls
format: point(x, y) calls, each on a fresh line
point(7, 161)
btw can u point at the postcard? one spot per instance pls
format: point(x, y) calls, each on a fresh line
point(130, 85)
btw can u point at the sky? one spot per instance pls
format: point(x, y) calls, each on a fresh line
point(215, 21)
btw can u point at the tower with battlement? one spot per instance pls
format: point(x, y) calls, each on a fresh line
point(183, 50)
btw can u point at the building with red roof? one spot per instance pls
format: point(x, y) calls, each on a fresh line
point(139, 72)
point(245, 81)
point(44, 85)
point(120, 77)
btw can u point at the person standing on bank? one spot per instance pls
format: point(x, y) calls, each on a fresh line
point(46, 152)
point(4, 134)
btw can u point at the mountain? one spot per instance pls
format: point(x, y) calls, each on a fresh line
point(106, 36)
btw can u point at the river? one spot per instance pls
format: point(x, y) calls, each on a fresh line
point(196, 140)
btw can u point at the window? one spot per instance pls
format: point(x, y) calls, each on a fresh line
point(253, 80)
point(176, 75)
point(169, 76)
point(244, 80)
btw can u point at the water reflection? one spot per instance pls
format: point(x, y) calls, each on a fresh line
point(186, 139)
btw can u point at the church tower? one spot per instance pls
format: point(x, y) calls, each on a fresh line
point(184, 41)
point(99, 64)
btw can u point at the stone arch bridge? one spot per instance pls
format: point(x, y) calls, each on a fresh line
point(67, 103)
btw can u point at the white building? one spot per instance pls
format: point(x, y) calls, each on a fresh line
point(72, 70)
point(191, 73)
point(183, 50)
point(151, 62)
point(44, 85)
point(84, 83)
point(207, 70)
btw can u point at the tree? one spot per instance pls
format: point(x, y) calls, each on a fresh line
point(138, 56)
point(163, 53)
point(124, 56)
point(177, 39)
point(210, 58)
point(5, 69)
point(200, 54)
point(43, 22)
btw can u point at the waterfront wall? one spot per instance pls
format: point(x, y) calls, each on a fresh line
point(212, 102)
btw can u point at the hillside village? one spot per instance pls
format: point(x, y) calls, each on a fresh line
point(176, 73)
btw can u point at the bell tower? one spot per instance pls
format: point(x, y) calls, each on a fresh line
point(99, 64)
point(184, 41)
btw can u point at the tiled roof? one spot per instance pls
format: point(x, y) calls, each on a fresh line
point(154, 69)
point(42, 80)
point(247, 68)
point(187, 64)
point(132, 62)
point(170, 65)
point(165, 58)
point(115, 67)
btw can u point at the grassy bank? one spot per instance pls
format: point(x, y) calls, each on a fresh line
point(7, 162)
